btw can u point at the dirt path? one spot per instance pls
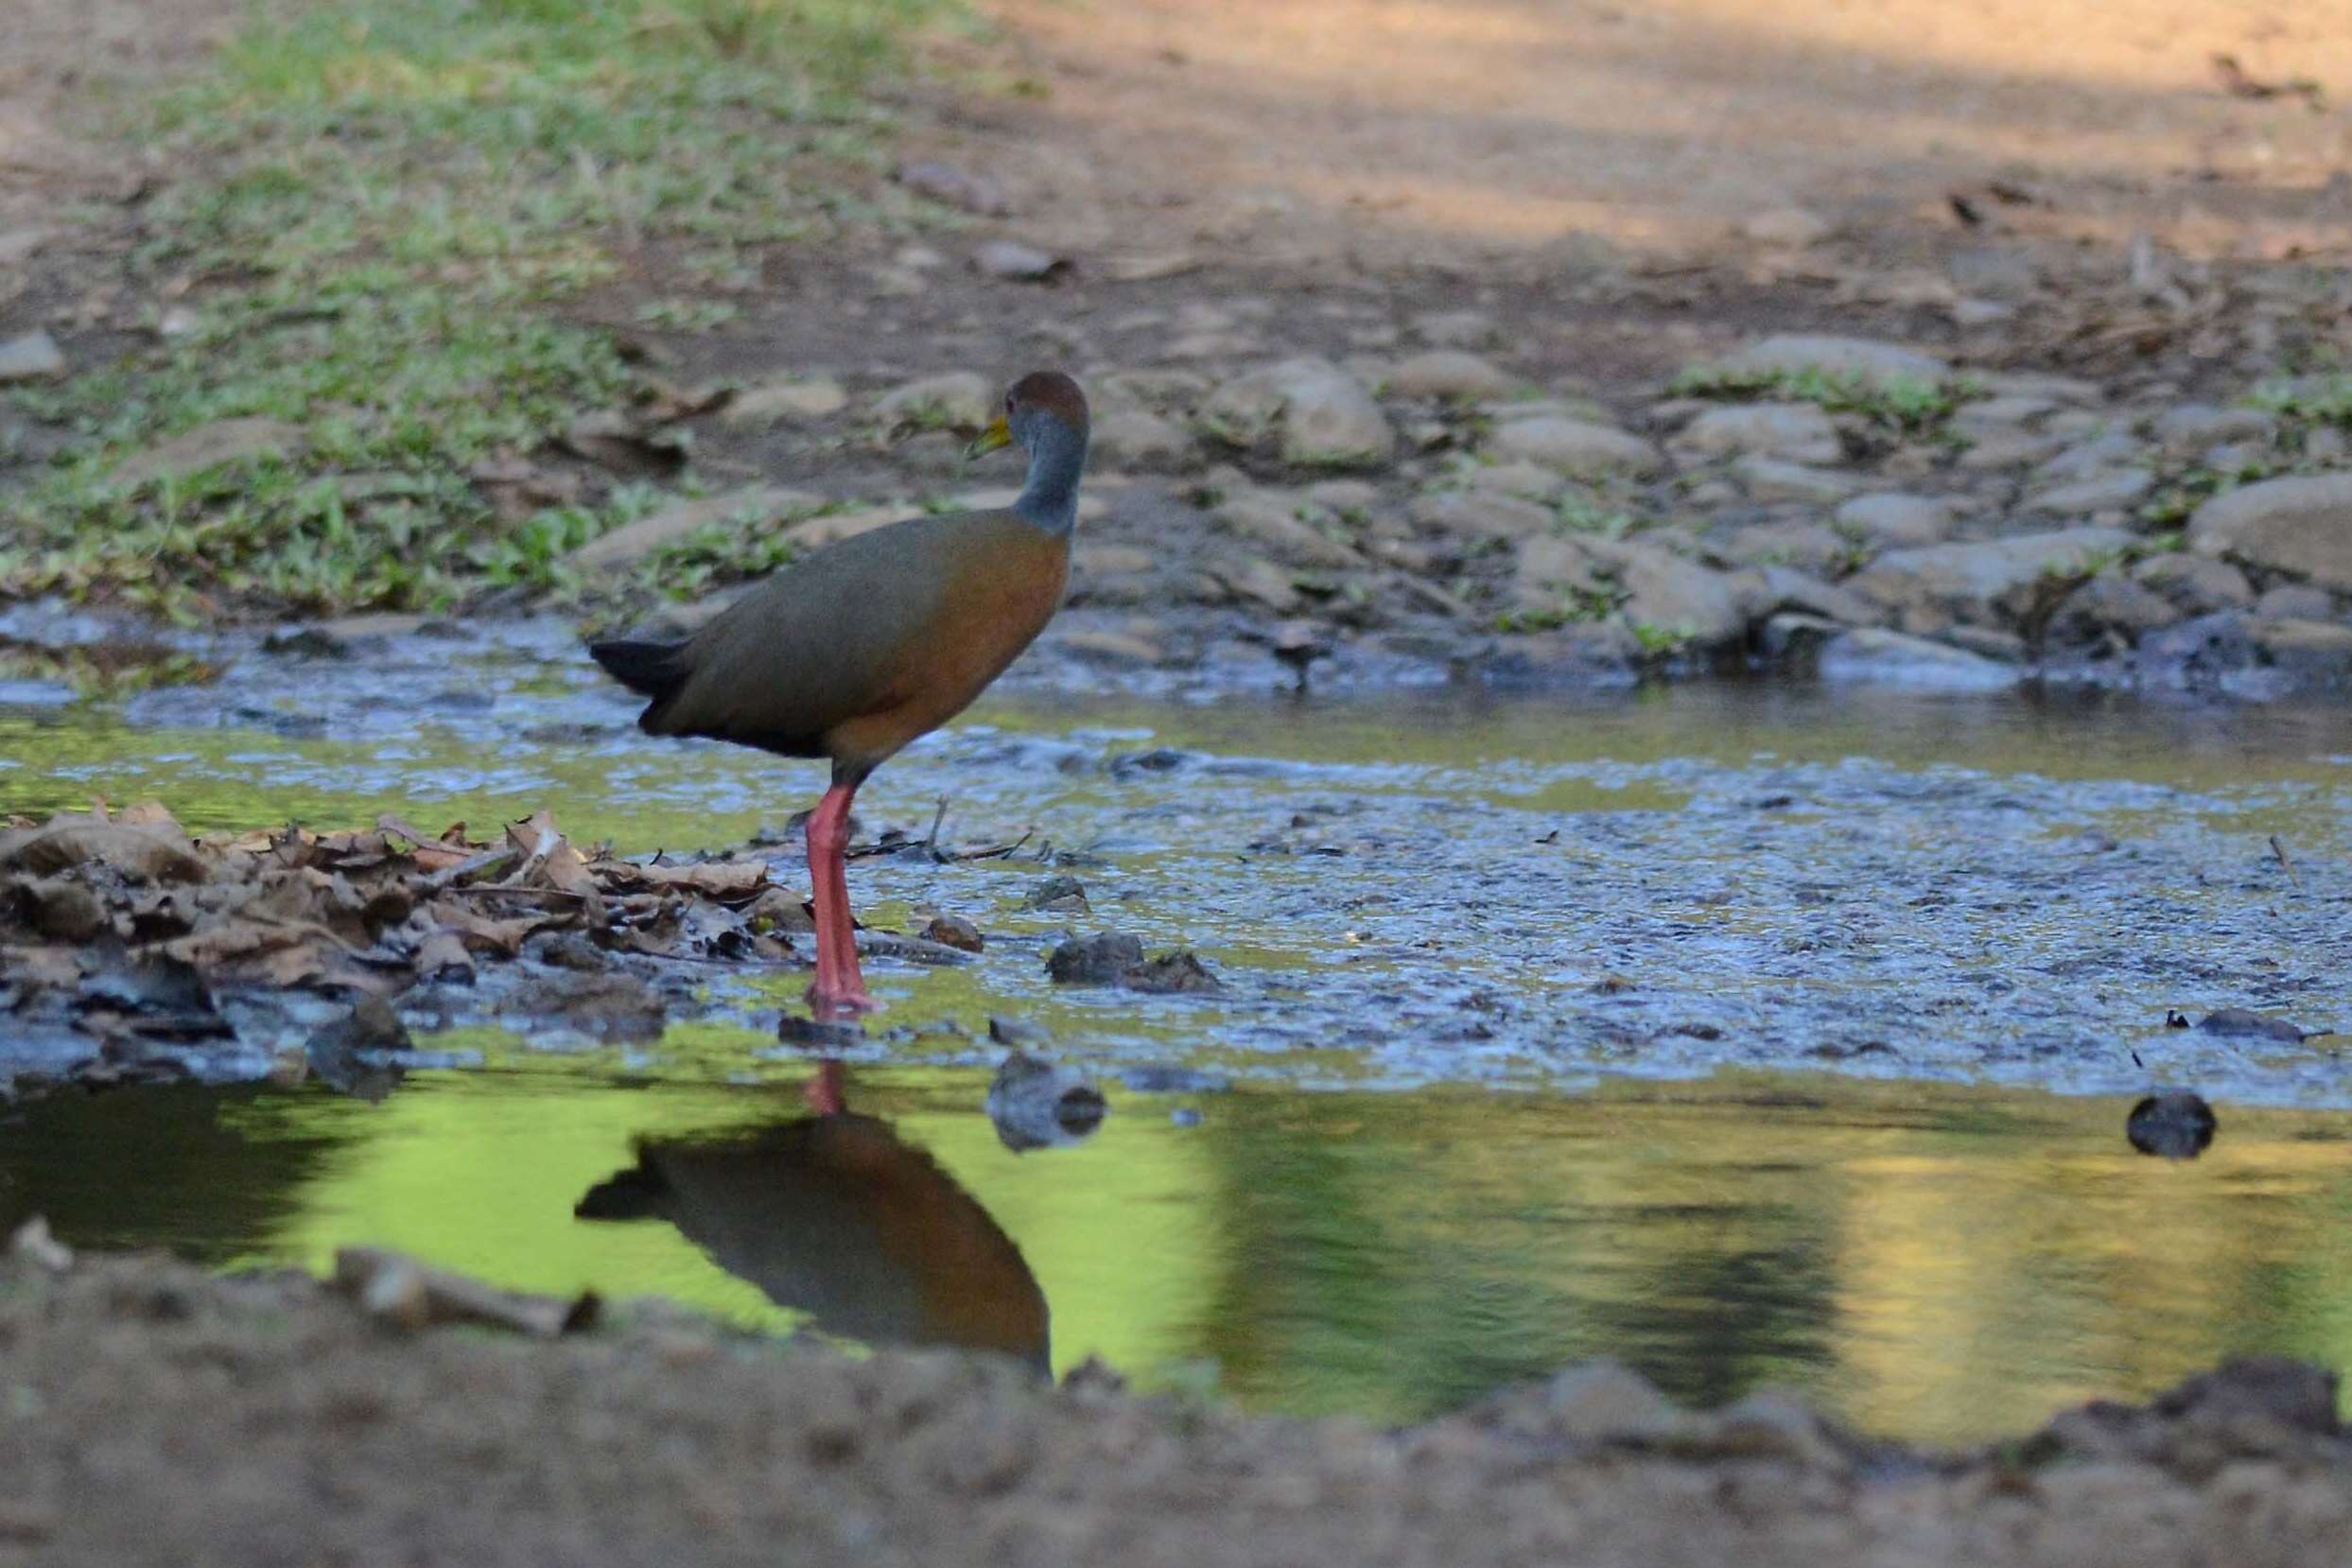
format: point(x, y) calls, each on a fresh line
point(159, 1415)
point(1394, 131)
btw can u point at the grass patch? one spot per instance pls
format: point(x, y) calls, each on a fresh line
point(1904, 404)
point(401, 193)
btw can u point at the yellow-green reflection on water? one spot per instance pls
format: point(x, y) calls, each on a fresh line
point(1938, 1263)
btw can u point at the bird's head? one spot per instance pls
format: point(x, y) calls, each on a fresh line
point(1040, 407)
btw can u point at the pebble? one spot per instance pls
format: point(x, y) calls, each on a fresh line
point(1449, 372)
point(1798, 432)
point(2123, 487)
point(2294, 602)
point(1573, 446)
point(34, 357)
point(2301, 526)
point(1318, 415)
point(1897, 519)
point(1773, 479)
point(1484, 517)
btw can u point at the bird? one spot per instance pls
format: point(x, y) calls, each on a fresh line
point(874, 640)
point(835, 1215)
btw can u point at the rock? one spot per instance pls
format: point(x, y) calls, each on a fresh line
point(954, 930)
point(2313, 655)
point(62, 910)
point(1793, 227)
point(2295, 601)
point(1113, 649)
point(1551, 565)
point(1971, 582)
point(1893, 520)
point(1680, 597)
point(2107, 492)
point(1772, 479)
point(2301, 526)
point(754, 504)
point(1011, 259)
point(2198, 583)
point(1260, 581)
point(1141, 440)
point(1318, 415)
point(210, 446)
point(1059, 895)
point(2002, 413)
point(1456, 329)
point(1857, 359)
point(2085, 459)
point(1573, 446)
point(1464, 512)
point(1797, 431)
point(1815, 546)
point(2206, 652)
point(1344, 495)
point(959, 400)
point(1874, 653)
point(2242, 1023)
point(1272, 522)
point(1449, 372)
point(2111, 602)
point(1601, 1400)
point(1527, 480)
point(1115, 958)
point(1775, 590)
point(2326, 444)
point(2177, 1125)
point(1179, 972)
point(34, 357)
point(779, 402)
point(2186, 431)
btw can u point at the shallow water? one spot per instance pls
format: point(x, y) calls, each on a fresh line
point(1942, 1263)
point(1509, 946)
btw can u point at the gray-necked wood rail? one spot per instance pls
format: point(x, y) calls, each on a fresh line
point(833, 1215)
point(875, 641)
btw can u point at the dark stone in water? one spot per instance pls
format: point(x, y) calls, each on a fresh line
point(2242, 1023)
point(1063, 895)
point(1098, 960)
point(307, 643)
point(1172, 972)
point(1159, 760)
point(819, 1034)
point(1017, 1033)
point(2176, 1124)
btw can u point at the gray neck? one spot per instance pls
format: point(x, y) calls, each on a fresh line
point(1057, 454)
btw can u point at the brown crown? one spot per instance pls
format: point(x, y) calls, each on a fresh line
point(1055, 392)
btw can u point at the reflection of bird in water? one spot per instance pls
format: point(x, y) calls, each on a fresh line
point(834, 1216)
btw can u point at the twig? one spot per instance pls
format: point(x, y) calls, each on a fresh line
point(1001, 849)
point(2285, 864)
point(549, 843)
point(931, 842)
point(389, 821)
point(510, 891)
point(488, 860)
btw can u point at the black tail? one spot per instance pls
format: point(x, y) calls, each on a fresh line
point(653, 669)
point(632, 1194)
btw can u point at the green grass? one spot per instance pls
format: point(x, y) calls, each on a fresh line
point(399, 197)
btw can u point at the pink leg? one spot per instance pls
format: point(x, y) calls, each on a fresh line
point(839, 990)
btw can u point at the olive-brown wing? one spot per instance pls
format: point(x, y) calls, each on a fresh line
point(818, 643)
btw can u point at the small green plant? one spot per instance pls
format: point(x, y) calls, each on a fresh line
point(1658, 641)
point(1905, 405)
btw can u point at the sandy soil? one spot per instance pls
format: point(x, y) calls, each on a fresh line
point(158, 1415)
point(1394, 130)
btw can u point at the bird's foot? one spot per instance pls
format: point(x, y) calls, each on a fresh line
point(829, 1003)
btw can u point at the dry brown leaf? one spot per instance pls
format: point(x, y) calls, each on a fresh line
point(133, 851)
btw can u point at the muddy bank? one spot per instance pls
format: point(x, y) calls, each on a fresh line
point(356, 1440)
